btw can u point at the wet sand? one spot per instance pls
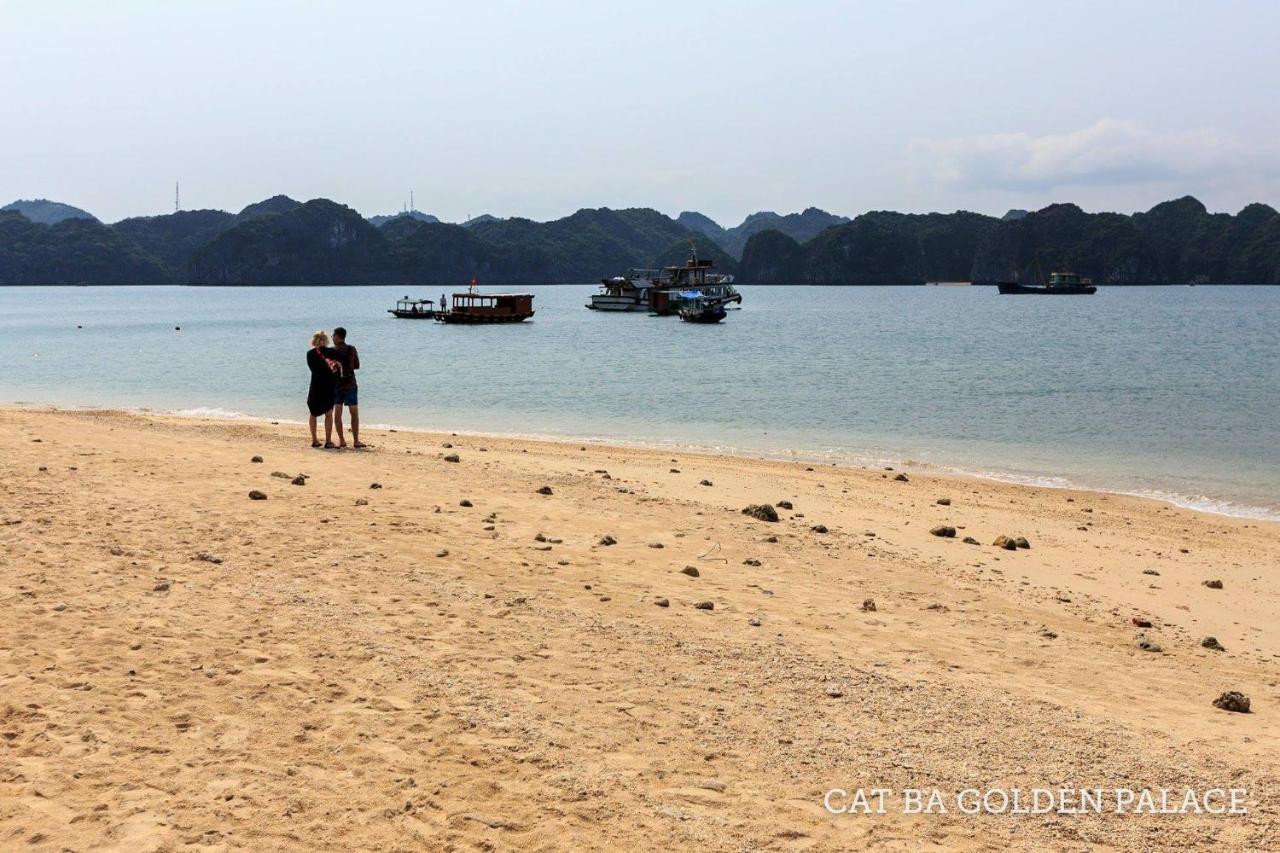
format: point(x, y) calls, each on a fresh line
point(347, 667)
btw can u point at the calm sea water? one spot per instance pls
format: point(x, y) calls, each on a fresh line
point(1173, 392)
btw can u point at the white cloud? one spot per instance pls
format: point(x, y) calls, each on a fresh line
point(1110, 153)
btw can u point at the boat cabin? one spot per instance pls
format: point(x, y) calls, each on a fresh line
point(1067, 279)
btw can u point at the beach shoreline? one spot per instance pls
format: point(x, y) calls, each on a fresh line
point(1228, 507)
point(456, 656)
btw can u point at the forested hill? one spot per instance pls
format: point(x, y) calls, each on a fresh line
point(320, 242)
point(1176, 242)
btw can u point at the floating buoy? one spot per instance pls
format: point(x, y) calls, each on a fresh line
point(177, 328)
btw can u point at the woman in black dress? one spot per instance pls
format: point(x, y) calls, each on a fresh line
point(324, 384)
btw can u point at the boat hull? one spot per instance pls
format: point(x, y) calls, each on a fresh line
point(601, 302)
point(1010, 289)
point(463, 319)
point(413, 315)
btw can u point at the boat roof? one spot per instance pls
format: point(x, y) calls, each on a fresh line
point(470, 293)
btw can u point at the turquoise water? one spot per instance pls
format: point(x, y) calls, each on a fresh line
point(1173, 392)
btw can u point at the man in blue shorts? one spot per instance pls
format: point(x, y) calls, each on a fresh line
point(347, 392)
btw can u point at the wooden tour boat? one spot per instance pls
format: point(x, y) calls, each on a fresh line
point(472, 308)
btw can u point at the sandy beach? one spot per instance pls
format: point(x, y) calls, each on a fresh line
point(404, 652)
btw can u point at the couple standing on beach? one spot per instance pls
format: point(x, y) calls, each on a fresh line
point(333, 385)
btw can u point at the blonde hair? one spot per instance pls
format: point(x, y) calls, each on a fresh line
point(319, 339)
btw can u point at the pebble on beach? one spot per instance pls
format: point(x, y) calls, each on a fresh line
point(1232, 700)
point(944, 530)
point(256, 495)
point(762, 512)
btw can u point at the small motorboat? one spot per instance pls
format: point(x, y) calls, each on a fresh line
point(414, 309)
point(697, 308)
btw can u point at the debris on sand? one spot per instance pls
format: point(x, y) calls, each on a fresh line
point(283, 475)
point(662, 602)
point(1006, 543)
point(256, 459)
point(1213, 584)
point(943, 501)
point(946, 531)
point(452, 457)
point(361, 502)
point(466, 503)
point(256, 495)
point(443, 552)
point(691, 571)
point(868, 605)
point(1213, 644)
point(785, 505)
point(705, 483)
point(969, 540)
point(1139, 622)
point(763, 512)
point(545, 490)
point(1151, 572)
point(299, 480)
point(901, 478)
point(1142, 641)
point(1021, 542)
point(1233, 700)
point(705, 605)
point(209, 558)
point(608, 540)
point(819, 528)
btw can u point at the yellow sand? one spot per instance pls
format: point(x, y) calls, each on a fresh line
point(331, 678)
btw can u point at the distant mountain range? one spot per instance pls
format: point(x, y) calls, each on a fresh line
point(798, 226)
point(283, 241)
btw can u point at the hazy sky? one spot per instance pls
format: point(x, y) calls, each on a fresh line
point(539, 108)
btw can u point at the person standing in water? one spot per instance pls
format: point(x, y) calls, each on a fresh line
point(346, 394)
point(325, 373)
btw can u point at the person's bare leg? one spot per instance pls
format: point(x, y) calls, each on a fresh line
point(337, 423)
point(328, 428)
point(311, 421)
point(355, 426)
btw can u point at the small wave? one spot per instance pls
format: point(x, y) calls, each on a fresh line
point(212, 412)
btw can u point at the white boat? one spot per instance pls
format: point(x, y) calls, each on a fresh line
point(628, 292)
